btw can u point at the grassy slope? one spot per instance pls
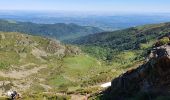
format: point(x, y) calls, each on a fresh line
point(109, 46)
point(63, 71)
point(123, 49)
point(120, 50)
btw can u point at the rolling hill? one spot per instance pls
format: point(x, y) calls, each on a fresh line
point(134, 38)
point(125, 39)
point(59, 31)
point(38, 67)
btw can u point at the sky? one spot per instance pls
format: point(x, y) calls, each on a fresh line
point(88, 5)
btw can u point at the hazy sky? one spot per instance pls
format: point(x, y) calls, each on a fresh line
point(88, 5)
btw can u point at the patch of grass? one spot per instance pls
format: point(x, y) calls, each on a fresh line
point(43, 96)
point(59, 80)
point(87, 90)
point(77, 67)
point(37, 88)
point(81, 62)
point(126, 58)
point(8, 58)
point(4, 65)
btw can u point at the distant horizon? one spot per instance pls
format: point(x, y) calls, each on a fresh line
point(109, 13)
point(90, 6)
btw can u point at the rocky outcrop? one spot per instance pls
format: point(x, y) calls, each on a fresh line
point(151, 77)
point(60, 49)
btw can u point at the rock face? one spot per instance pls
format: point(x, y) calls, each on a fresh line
point(151, 77)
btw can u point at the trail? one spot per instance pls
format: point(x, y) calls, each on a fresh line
point(78, 97)
point(21, 73)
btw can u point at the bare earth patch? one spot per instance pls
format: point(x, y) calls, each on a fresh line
point(21, 73)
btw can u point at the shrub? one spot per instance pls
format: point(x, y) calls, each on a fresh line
point(3, 65)
point(163, 41)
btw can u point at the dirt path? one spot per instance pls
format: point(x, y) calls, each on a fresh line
point(78, 97)
point(21, 73)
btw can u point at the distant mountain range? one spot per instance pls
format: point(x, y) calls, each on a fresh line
point(107, 22)
point(59, 31)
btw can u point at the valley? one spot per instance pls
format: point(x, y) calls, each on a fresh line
point(33, 65)
point(84, 50)
point(37, 65)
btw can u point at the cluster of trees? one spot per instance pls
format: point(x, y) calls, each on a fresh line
point(107, 44)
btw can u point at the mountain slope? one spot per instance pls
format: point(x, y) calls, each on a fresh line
point(149, 81)
point(125, 39)
point(111, 43)
point(33, 65)
point(60, 31)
